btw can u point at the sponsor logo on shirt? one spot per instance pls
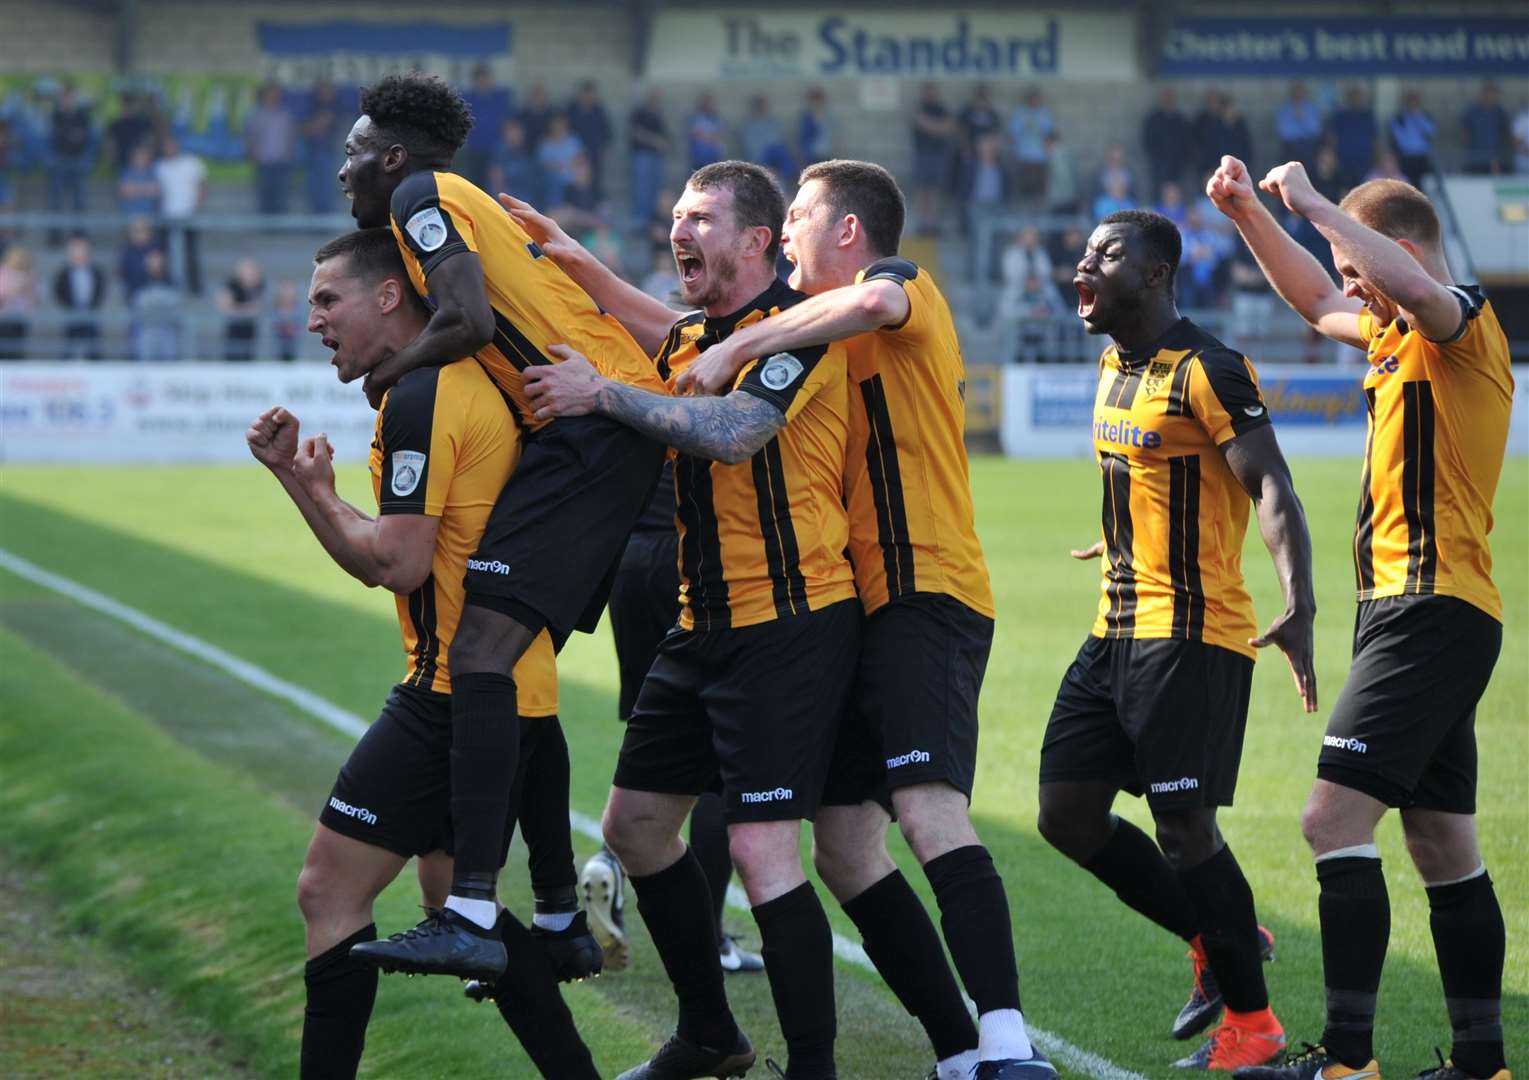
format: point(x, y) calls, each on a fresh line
point(408, 466)
point(1125, 433)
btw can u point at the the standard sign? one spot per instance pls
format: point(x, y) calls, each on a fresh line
point(121, 413)
point(991, 44)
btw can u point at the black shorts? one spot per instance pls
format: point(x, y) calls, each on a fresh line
point(644, 605)
point(1163, 717)
point(552, 542)
point(757, 707)
point(394, 790)
point(914, 703)
point(1404, 728)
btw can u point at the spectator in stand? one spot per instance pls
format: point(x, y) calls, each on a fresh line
point(1062, 185)
point(1066, 248)
point(513, 167)
point(661, 282)
point(1170, 202)
point(706, 133)
point(138, 185)
point(1387, 167)
point(1198, 282)
point(156, 329)
point(1252, 299)
point(1520, 142)
point(18, 299)
point(648, 145)
point(182, 189)
point(1353, 132)
point(1029, 125)
point(270, 140)
point(1037, 312)
point(323, 129)
point(1114, 197)
point(1114, 167)
point(815, 130)
point(288, 319)
point(1412, 134)
point(580, 208)
point(71, 149)
point(1488, 134)
point(1325, 174)
point(987, 200)
point(490, 105)
point(79, 287)
point(7, 164)
point(1220, 128)
point(242, 299)
point(976, 121)
point(132, 262)
point(536, 115)
point(934, 151)
point(133, 126)
point(658, 222)
point(1167, 139)
point(1298, 124)
point(1025, 257)
point(558, 150)
point(589, 120)
point(604, 243)
point(764, 141)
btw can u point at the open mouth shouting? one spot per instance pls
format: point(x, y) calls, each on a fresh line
point(1087, 297)
point(690, 266)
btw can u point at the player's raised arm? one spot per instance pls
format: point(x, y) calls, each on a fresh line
point(462, 323)
point(646, 319)
point(1298, 278)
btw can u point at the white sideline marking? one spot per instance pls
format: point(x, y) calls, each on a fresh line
point(348, 723)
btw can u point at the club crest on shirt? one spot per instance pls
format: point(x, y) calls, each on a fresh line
point(408, 466)
point(779, 371)
point(428, 228)
point(1157, 374)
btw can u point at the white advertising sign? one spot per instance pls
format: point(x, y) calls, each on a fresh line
point(941, 44)
point(126, 413)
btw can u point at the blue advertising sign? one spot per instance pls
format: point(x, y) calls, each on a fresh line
point(357, 53)
point(1065, 399)
point(1402, 45)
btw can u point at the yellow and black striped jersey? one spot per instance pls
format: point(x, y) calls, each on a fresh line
point(1437, 431)
point(1174, 516)
point(444, 446)
point(436, 215)
point(765, 538)
point(912, 528)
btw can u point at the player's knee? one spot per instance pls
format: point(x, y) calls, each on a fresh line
point(315, 895)
point(1187, 839)
point(1076, 835)
point(1315, 827)
point(487, 641)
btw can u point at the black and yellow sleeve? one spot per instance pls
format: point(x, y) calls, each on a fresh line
point(788, 380)
point(425, 223)
point(1224, 395)
point(407, 427)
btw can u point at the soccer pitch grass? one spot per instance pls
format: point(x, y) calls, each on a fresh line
point(165, 806)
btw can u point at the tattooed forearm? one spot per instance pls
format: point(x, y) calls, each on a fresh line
point(726, 429)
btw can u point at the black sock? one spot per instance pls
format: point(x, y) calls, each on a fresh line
point(905, 947)
point(676, 906)
point(1470, 942)
point(532, 1005)
point(1355, 914)
point(708, 839)
point(799, 960)
point(1134, 868)
point(1223, 901)
point(543, 817)
point(485, 742)
point(341, 992)
point(974, 913)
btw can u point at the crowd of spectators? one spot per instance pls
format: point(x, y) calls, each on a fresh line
point(996, 165)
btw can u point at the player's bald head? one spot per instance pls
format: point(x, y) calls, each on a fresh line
point(1396, 209)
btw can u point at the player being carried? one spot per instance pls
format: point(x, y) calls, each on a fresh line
point(557, 530)
point(1439, 392)
point(1156, 701)
point(443, 447)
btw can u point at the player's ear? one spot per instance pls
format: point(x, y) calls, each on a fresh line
point(394, 157)
point(1409, 247)
point(389, 295)
point(759, 240)
point(850, 227)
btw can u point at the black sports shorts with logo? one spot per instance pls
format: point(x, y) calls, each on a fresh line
point(552, 542)
point(757, 707)
point(1404, 728)
point(1156, 716)
point(913, 713)
point(394, 790)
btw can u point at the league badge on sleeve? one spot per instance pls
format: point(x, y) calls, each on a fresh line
point(428, 228)
point(408, 466)
point(780, 371)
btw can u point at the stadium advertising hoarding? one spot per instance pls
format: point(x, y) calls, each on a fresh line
point(357, 53)
point(116, 413)
point(1049, 411)
point(716, 44)
point(1404, 46)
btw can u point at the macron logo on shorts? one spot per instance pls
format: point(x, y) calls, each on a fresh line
point(1343, 742)
point(361, 814)
point(912, 757)
point(488, 566)
point(780, 794)
point(1183, 783)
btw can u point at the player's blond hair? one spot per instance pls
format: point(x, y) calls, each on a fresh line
point(1396, 209)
